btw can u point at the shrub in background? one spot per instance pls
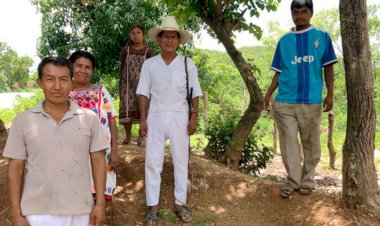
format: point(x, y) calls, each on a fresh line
point(24, 103)
point(221, 127)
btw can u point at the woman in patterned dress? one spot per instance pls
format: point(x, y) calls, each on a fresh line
point(131, 58)
point(96, 98)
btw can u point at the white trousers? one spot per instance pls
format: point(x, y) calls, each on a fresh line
point(163, 126)
point(59, 220)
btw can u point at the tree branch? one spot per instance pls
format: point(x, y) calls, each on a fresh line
point(219, 8)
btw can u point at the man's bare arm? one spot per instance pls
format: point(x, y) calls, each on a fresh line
point(193, 123)
point(114, 158)
point(272, 87)
point(143, 108)
point(15, 174)
point(98, 164)
point(328, 102)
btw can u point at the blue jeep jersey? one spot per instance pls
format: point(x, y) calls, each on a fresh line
point(299, 59)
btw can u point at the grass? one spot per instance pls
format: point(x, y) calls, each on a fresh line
point(207, 217)
point(167, 216)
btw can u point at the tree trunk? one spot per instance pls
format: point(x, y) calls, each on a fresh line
point(249, 118)
point(3, 136)
point(205, 108)
point(244, 107)
point(359, 173)
point(330, 143)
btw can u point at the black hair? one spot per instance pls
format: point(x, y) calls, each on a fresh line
point(130, 41)
point(80, 53)
point(138, 26)
point(58, 61)
point(162, 32)
point(297, 4)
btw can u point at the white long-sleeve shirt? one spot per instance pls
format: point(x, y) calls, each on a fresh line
point(165, 85)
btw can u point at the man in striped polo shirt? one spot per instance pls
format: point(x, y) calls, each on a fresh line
point(300, 57)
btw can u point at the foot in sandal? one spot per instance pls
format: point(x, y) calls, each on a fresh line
point(305, 189)
point(183, 214)
point(287, 190)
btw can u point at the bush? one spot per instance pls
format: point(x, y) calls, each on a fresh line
point(22, 104)
point(111, 83)
point(25, 103)
point(7, 115)
point(220, 130)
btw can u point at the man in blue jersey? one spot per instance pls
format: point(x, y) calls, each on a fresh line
point(300, 56)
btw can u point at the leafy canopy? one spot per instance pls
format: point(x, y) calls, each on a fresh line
point(235, 14)
point(101, 27)
point(14, 70)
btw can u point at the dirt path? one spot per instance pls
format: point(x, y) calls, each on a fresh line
point(218, 196)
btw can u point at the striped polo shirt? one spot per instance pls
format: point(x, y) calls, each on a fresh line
point(299, 59)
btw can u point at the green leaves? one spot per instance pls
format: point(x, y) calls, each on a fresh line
point(219, 133)
point(14, 70)
point(101, 27)
point(232, 13)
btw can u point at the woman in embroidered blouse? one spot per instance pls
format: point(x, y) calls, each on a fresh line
point(96, 98)
point(132, 56)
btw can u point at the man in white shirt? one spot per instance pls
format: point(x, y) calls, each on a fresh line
point(163, 87)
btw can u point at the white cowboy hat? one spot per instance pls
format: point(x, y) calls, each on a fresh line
point(169, 24)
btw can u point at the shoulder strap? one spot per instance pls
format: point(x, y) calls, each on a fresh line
point(187, 77)
point(146, 51)
point(189, 96)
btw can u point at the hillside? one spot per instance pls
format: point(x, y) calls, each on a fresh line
point(218, 196)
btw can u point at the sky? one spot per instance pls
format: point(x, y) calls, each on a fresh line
point(20, 25)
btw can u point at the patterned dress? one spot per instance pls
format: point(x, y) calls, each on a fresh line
point(131, 61)
point(99, 100)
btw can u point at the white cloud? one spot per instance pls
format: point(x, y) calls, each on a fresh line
point(20, 26)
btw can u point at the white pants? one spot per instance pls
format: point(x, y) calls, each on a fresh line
point(162, 126)
point(59, 220)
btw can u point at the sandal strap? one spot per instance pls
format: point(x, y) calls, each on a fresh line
point(150, 216)
point(287, 190)
point(305, 190)
point(184, 214)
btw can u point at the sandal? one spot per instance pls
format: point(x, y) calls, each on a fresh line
point(151, 219)
point(305, 190)
point(287, 190)
point(140, 144)
point(183, 214)
point(140, 141)
point(126, 141)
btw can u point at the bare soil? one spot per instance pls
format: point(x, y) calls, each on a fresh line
point(219, 196)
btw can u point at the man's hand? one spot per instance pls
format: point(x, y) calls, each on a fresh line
point(114, 158)
point(266, 102)
point(19, 221)
point(98, 215)
point(193, 124)
point(143, 129)
point(328, 103)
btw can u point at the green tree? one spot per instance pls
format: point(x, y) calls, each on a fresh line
point(101, 27)
point(14, 70)
point(223, 18)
